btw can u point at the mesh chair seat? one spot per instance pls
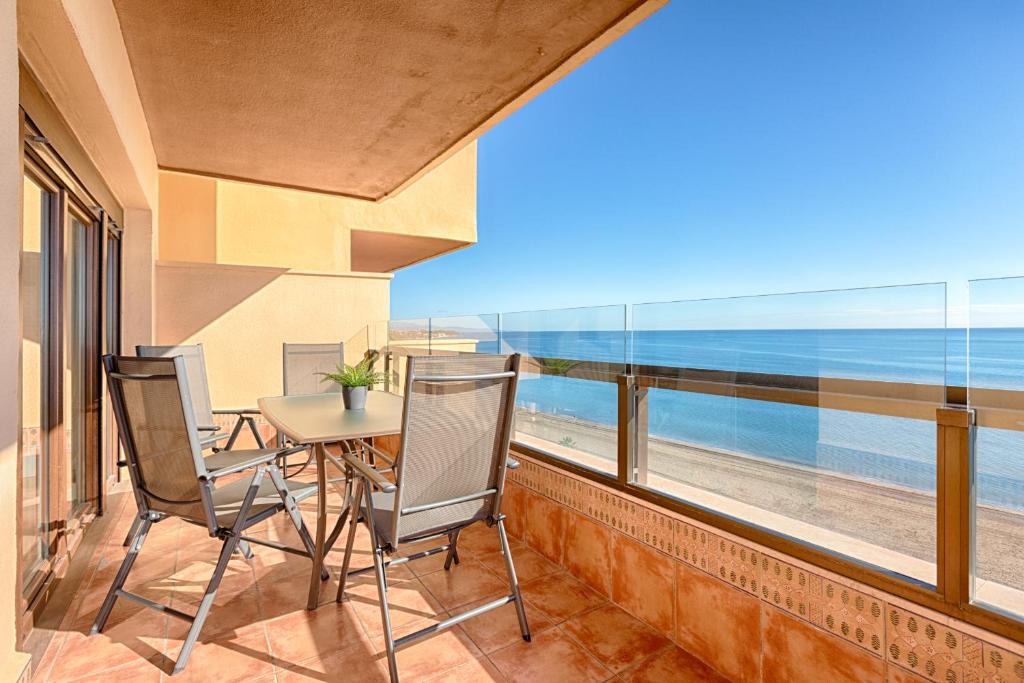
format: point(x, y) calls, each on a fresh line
point(227, 499)
point(428, 522)
point(222, 459)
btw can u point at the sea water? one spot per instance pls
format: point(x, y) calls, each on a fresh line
point(896, 451)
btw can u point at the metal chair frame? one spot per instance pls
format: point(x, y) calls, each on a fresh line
point(282, 442)
point(370, 478)
point(260, 461)
point(244, 416)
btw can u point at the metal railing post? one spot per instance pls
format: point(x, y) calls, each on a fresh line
point(955, 435)
point(632, 431)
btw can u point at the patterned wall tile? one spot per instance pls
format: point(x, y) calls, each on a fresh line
point(926, 647)
point(657, 530)
point(916, 645)
point(737, 564)
point(1001, 666)
point(854, 616)
point(791, 588)
point(690, 545)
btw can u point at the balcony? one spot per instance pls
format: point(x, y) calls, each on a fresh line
point(822, 486)
point(828, 523)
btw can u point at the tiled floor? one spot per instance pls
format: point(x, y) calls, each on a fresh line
point(260, 631)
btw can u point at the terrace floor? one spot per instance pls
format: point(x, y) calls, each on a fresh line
point(259, 630)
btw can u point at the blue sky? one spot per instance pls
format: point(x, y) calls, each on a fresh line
point(724, 148)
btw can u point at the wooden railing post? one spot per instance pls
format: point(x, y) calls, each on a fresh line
point(955, 503)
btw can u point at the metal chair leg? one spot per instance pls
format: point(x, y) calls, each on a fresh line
point(204, 606)
point(296, 517)
point(353, 524)
point(131, 532)
point(244, 549)
point(513, 582)
point(385, 617)
point(122, 574)
point(453, 551)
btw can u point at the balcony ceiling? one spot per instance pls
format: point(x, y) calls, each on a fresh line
point(351, 98)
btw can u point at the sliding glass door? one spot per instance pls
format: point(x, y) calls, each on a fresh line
point(70, 285)
point(39, 203)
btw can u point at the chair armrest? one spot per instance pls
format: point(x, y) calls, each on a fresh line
point(376, 451)
point(236, 411)
point(511, 464)
point(368, 473)
point(261, 457)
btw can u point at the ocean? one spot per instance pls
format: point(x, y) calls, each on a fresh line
point(891, 450)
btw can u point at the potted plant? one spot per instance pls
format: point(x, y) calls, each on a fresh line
point(355, 381)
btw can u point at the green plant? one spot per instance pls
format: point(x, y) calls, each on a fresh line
point(361, 374)
point(567, 441)
point(557, 366)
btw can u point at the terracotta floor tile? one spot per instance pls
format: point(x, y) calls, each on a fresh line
point(672, 664)
point(433, 655)
point(137, 672)
point(615, 638)
point(560, 596)
point(500, 627)
point(302, 635)
point(409, 602)
point(529, 564)
point(345, 666)
point(475, 671)
point(552, 656)
point(463, 583)
point(229, 613)
point(240, 656)
point(133, 634)
point(479, 539)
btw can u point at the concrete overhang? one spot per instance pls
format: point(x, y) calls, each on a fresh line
point(358, 99)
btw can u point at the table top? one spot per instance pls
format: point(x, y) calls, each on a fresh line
point(319, 418)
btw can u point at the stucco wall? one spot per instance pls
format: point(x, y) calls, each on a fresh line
point(12, 663)
point(242, 314)
point(209, 220)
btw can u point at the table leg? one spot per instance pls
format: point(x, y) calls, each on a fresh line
point(321, 526)
point(347, 503)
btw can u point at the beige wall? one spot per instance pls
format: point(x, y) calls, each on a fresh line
point(242, 314)
point(209, 220)
point(12, 663)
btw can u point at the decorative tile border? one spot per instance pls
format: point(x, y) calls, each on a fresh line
point(905, 638)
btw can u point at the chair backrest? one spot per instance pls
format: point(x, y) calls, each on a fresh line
point(195, 365)
point(303, 364)
point(157, 429)
point(456, 427)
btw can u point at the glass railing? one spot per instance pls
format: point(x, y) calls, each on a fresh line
point(995, 352)
point(812, 414)
point(567, 400)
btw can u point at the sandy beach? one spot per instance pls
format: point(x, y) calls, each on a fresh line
point(891, 525)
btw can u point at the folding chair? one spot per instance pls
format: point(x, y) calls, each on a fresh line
point(170, 478)
point(302, 367)
point(449, 474)
point(195, 363)
point(210, 435)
